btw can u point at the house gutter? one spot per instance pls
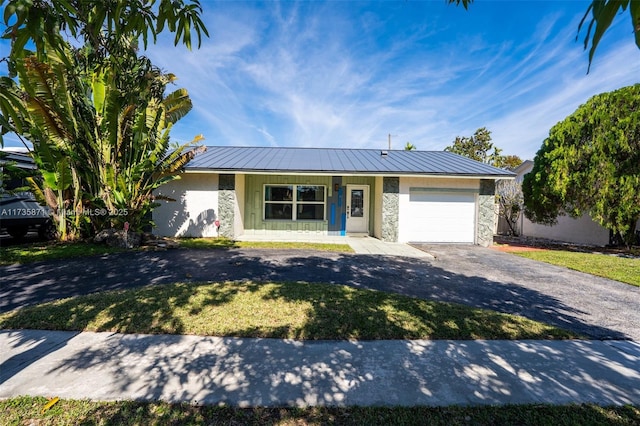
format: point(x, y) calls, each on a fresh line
point(342, 173)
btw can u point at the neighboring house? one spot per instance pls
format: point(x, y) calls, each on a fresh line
point(404, 196)
point(582, 230)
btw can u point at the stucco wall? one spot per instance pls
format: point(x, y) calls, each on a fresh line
point(580, 231)
point(442, 183)
point(195, 209)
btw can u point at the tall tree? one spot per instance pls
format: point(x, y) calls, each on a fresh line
point(410, 147)
point(101, 139)
point(480, 148)
point(108, 29)
point(97, 116)
point(600, 13)
point(590, 163)
point(510, 200)
point(477, 147)
point(509, 162)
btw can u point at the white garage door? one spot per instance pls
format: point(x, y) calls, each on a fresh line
point(440, 217)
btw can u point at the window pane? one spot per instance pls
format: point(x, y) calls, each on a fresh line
point(310, 212)
point(278, 211)
point(357, 203)
point(278, 193)
point(311, 193)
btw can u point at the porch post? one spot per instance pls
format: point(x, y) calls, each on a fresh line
point(486, 212)
point(226, 204)
point(390, 208)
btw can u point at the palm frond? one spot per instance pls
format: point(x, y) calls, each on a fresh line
point(177, 163)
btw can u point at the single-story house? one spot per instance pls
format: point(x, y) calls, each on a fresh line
point(398, 196)
point(581, 230)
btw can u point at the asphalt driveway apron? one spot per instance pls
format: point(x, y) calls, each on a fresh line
point(470, 275)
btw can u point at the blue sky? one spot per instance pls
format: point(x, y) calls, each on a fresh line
point(347, 74)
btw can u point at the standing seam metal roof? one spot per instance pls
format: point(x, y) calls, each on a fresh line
point(338, 160)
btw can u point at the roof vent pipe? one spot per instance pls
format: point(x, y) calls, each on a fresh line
point(384, 153)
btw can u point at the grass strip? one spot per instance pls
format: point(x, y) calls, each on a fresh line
point(28, 410)
point(224, 243)
point(623, 269)
point(35, 252)
point(275, 310)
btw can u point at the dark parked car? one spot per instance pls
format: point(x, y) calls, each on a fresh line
point(19, 210)
point(20, 213)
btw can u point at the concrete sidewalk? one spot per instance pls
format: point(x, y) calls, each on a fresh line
point(272, 372)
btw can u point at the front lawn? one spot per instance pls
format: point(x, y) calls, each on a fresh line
point(623, 269)
point(28, 410)
point(276, 310)
point(213, 243)
point(34, 252)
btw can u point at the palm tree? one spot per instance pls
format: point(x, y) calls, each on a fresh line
point(410, 147)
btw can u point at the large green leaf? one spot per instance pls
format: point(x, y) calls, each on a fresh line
point(98, 89)
point(177, 104)
point(12, 111)
point(60, 178)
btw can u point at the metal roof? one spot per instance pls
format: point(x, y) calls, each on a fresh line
point(21, 160)
point(340, 161)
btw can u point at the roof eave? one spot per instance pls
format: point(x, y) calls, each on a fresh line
point(350, 173)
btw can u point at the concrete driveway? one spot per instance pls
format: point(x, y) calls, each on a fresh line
point(470, 275)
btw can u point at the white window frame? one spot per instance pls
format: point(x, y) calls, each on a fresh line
point(294, 202)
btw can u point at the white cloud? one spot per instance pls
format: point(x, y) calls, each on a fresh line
point(348, 74)
point(524, 129)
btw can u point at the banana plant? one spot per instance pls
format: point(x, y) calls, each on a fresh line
point(54, 192)
point(137, 156)
point(50, 121)
point(12, 109)
point(101, 137)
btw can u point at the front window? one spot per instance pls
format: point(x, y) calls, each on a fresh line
point(278, 202)
point(294, 202)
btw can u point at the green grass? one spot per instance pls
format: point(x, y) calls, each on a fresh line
point(626, 270)
point(28, 410)
point(276, 310)
point(216, 243)
point(34, 252)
